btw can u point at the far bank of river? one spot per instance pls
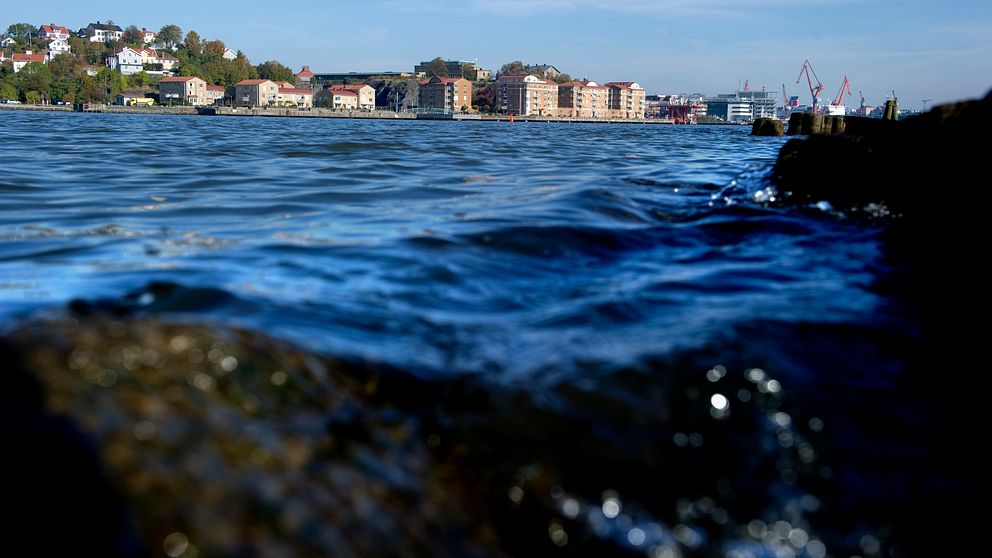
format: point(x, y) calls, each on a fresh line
point(321, 113)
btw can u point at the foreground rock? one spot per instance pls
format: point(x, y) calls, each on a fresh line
point(900, 167)
point(218, 442)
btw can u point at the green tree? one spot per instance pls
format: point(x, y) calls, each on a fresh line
point(562, 78)
point(139, 79)
point(437, 67)
point(214, 48)
point(513, 68)
point(21, 30)
point(34, 77)
point(133, 36)
point(63, 65)
point(193, 44)
point(8, 91)
point(275, 71)
point(170, 34)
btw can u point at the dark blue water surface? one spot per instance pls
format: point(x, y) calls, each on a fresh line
point(514, 249)
point(575, 261)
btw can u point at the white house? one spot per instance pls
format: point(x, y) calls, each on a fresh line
point(127, 61)
point(21, 60)
point(230, 54)
point(148, 36)
point(52, 31)
point(101, 32)
point(58, 46)
point(7, 41)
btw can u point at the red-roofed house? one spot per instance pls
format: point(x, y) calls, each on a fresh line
point(528, 95)
point(335, 98)
point(366, 94)
point(148, 36)
point(183, 89)
point(215, 94)
point(52, 31)
point(255, 93)
point(296, 96)
point(446, 94)
point(21, 60)
point(305, 76)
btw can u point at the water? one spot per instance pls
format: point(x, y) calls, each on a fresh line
point(443, 247)
point(580, 263)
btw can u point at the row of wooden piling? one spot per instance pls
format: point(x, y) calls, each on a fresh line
point(811, 124)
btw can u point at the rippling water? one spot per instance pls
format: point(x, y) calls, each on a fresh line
point(582, 261)
point(523, 250)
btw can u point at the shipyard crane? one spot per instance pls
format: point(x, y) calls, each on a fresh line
point(839, 99)
point(925, 101)
point(814, 91)
point(861, 109)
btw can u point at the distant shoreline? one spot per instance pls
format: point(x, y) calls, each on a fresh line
point(321, 113)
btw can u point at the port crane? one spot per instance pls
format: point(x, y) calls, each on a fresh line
point(814, 91)
point(925, 101)
point(861, 110)
point(839, 99)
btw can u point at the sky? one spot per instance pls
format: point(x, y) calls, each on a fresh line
point(935, 50)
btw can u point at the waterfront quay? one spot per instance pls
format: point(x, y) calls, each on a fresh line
point(322, 113)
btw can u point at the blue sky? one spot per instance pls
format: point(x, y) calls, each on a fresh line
point(920, 49)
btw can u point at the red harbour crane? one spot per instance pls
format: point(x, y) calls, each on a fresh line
point(810, 75)
point(839, 99)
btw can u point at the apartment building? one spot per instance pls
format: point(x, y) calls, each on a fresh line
point(255, 93)
point(526, 95)
point(446, 94)
point(626, 99)
point(189, 89)
point(583, 99)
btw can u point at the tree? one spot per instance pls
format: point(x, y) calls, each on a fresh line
point(275, 71)
point(8, 91)
point(35, 77)
point(214, 48)
point(513, 68)
point(21, 30)
point(437, 67)
point(193, 44)
point(170, 34)
point(133, 36)
point(562, 78)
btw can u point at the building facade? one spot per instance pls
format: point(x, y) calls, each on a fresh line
point(52, 31)
point(21, 60)
point(365, 94)
point(742, 106)
point(101, 32)
point(255, 93)
point(583, 99)
point(58, 46)
point(526, 95)
point(338, 99)
point(305, 77)
point(626, 99)
point(446, 95)
point(188, 89)
point(127, 62)
point(297, 97)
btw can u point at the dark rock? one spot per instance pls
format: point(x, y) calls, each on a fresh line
point(767, 127)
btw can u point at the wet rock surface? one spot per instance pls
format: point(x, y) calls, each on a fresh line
point(219, 442)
